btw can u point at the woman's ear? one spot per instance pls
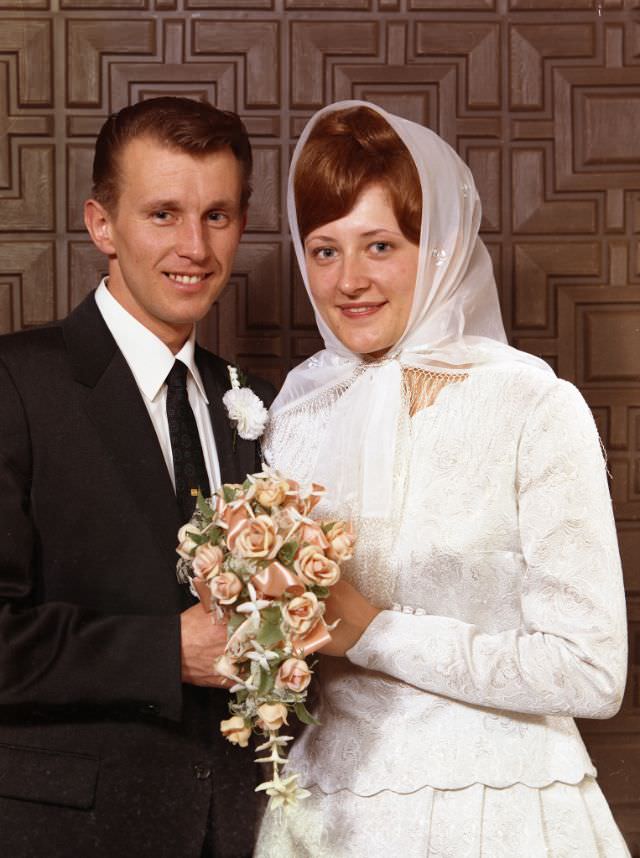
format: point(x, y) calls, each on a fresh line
point(98, 222)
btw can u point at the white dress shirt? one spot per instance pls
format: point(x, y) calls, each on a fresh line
point(150, 361)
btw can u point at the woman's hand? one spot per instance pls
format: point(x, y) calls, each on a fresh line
point(354, 612)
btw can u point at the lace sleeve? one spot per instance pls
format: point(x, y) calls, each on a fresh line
point(568, 656)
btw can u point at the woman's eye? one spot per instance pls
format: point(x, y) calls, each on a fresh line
point(324, 253)
point(381, 246)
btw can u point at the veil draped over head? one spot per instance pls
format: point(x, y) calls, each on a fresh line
point(454, 324)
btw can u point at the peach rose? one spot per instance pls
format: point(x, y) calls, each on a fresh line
point(294, 674)
point(272, 716)
point(225, 588)
point(302, 612)
point(271, 492)
point(236, 731)
point(229, 515)
point(186, 545)
point(311, 534)
point(341, 541)
point(316, 569)
point(255, 538)
point(207, 561)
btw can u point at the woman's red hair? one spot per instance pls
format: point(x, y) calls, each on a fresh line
point(347, 151)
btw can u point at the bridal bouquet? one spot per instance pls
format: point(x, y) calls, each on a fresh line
point(256, 560)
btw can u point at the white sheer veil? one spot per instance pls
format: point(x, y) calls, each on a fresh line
point(455, 323)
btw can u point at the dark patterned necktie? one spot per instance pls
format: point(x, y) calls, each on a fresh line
point(188, 461)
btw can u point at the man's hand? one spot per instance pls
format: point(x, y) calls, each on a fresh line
point(202, 641)
point(354, 612)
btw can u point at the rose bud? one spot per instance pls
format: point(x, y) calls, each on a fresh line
point(316, 569)
point(302, 612)
point(294, 674)
point(255, 538)
point(312, 534)
point(235, 731)
point(186, 545)
point(272, 716)
point(341, 541)
point(271, 493)
point(208, 560)
point(225, 588)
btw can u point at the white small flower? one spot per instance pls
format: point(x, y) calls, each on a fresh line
point(284, 792)
point(255, 605)
point(262, 656)
point(245, 409)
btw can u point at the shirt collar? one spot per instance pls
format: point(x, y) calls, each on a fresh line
point(149, 359)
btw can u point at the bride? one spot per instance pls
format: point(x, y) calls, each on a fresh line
point(484, 606)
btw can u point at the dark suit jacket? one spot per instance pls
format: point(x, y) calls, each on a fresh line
point(103, 752)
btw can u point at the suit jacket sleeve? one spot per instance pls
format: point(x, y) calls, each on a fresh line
point(55, 653)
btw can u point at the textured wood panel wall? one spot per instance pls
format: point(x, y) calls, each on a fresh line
point(541, 97)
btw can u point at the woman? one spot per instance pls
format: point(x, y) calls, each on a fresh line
point(484, 606)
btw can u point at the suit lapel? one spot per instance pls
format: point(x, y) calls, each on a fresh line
point(235, 455)
point(115, 406)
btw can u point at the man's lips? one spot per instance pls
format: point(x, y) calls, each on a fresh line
point(361, 310)
point(185, 279)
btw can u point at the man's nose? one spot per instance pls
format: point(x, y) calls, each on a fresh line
point(191, 240)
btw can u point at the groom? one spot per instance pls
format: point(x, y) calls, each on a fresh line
point(109, 711)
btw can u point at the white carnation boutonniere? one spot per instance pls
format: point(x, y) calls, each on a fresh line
point(245, 409)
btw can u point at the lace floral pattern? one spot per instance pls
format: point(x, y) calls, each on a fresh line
point(504, 611)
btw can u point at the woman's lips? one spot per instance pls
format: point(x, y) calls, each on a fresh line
point(360, 311)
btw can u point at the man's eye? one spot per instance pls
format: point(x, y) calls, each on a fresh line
point(161, 215)
point(217, 217)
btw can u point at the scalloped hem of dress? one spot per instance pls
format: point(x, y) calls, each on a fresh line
point(569, 780)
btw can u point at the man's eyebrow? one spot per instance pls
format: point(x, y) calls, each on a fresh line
point(160, 204)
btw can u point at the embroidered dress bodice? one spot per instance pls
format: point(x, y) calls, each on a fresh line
point(500, 583)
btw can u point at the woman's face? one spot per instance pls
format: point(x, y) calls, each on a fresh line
point(362, 274)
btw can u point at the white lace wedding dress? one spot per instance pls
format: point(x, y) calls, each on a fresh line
point(448, 730)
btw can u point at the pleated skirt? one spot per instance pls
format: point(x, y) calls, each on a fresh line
point(557, 821)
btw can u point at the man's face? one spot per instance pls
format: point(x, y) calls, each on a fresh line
point(172, 239)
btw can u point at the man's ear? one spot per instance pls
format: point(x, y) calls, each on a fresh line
point(98, 222)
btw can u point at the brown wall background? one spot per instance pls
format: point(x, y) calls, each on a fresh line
point(541, 98)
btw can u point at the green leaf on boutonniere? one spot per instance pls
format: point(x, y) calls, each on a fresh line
point(326, 527)
point(204, 508)
point(235, 621)
point(304, 715)
point(228, 493)
point(321, 592)
point(288, 552)
point(266, 682)
point(214, 534)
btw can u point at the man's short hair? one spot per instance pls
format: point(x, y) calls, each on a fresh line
point(183, 124)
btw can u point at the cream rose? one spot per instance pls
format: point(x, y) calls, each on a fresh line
point(207, 561)
point(271, 493)
point(341, 541)
point(225, 588)
point(311, 534)
point(236, 731)
point(272, 716)
point(186, 545)
point(255, 538)
point(294, 674)
point(316, 569)
point(302, 612)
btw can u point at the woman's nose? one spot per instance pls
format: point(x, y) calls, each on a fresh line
point(353, 276)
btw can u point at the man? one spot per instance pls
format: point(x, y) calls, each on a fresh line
point(109, 739)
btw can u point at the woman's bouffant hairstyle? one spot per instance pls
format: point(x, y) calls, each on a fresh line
point(183, 124)
point(347, 151)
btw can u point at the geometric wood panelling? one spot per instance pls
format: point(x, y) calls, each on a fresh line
point(540, 97)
